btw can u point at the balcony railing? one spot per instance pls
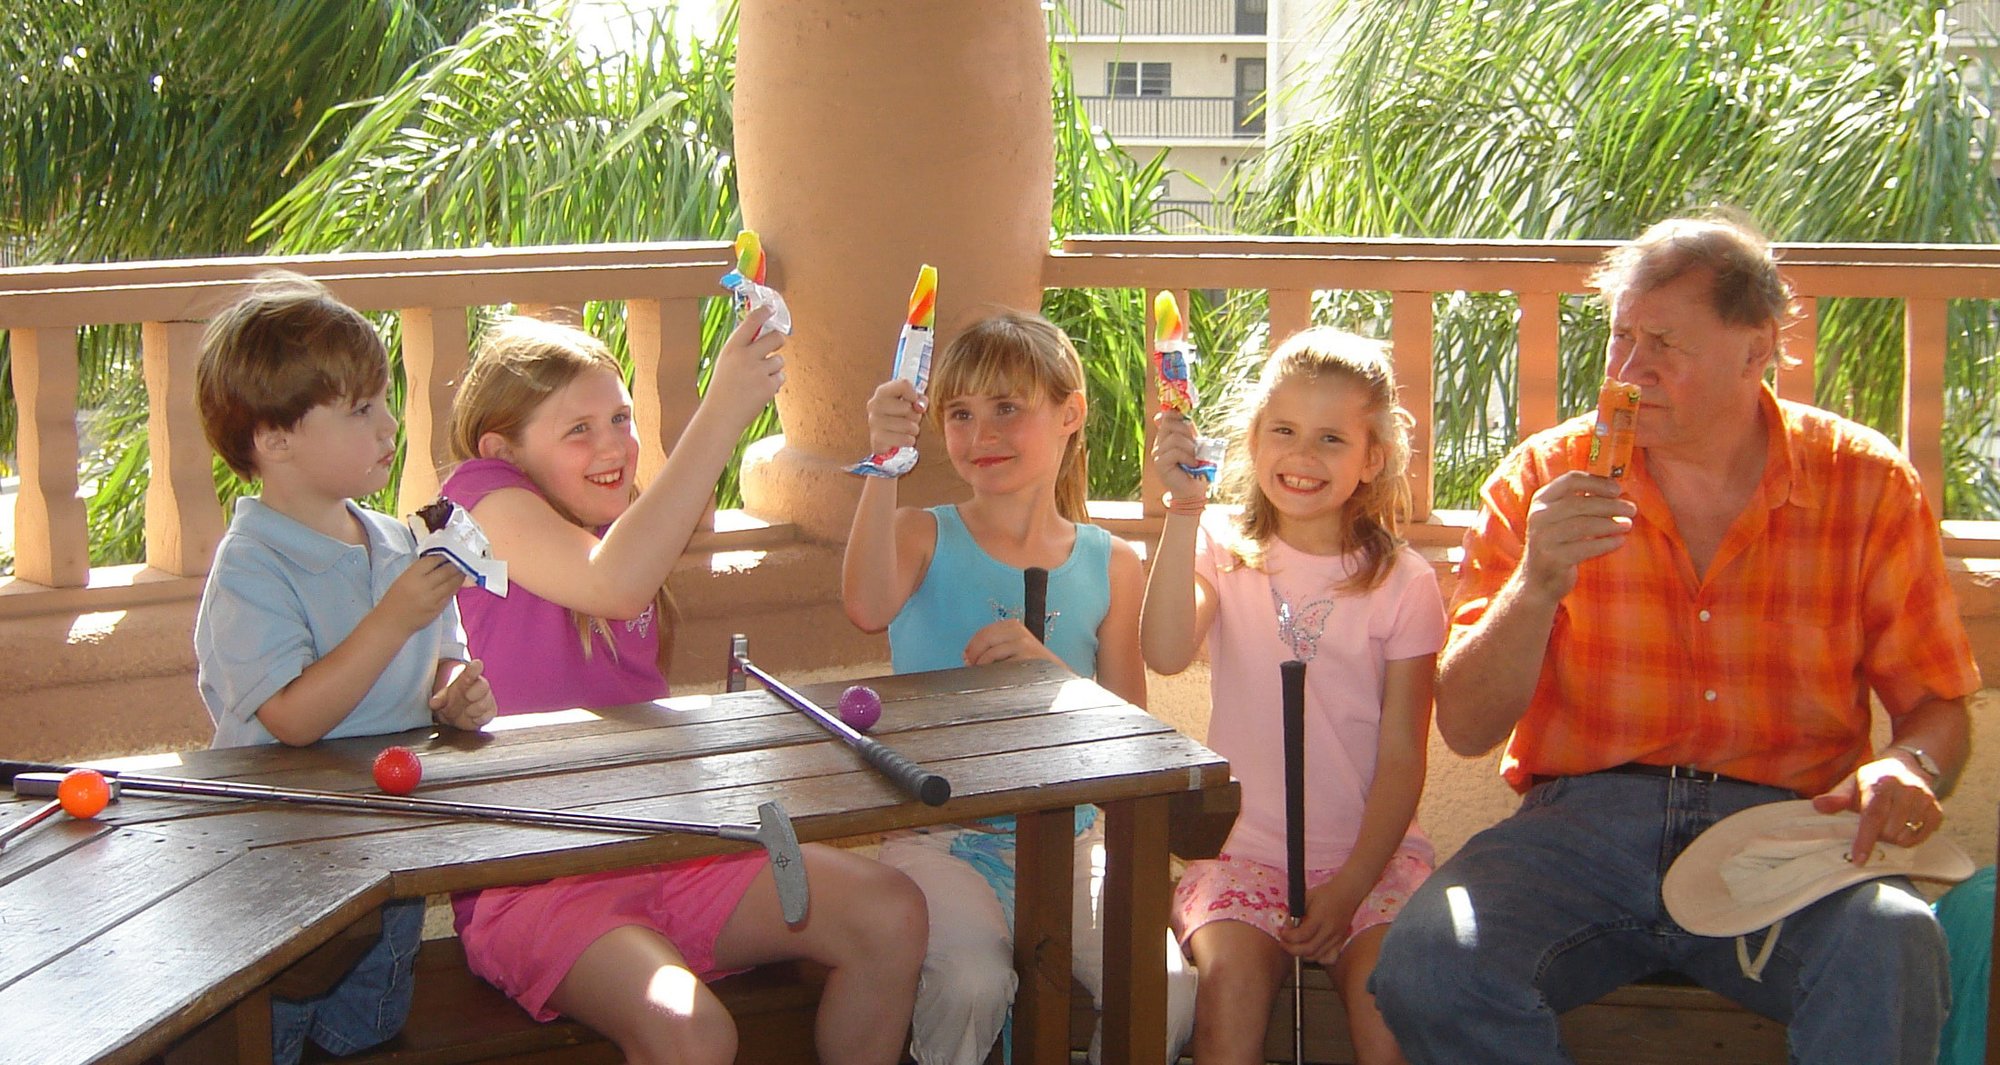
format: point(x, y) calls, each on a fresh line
point(1161, 18)
point(1190, 117)
point(662, 286)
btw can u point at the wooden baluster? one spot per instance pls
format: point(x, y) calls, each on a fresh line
point(1802, 343)
point(1153, 490)
point(1291, 311)
point(1538, 379)
point(436, 351)
point(183, 520)
point(1924, 335)
point(51, 536)
point(1410, 343)
point(664, 338)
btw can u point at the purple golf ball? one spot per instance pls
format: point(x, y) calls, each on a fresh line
point(860, 707)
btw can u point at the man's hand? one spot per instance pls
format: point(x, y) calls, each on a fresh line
point(1896, 806)
point(1572, 519)
point(463, 700)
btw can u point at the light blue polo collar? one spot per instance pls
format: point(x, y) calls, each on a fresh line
point(308, 549)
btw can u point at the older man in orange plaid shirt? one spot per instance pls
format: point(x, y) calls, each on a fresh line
point(1661, 652)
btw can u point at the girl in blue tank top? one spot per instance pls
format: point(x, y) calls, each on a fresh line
point(1007, 396)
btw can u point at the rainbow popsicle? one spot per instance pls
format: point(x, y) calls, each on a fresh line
point(1171, 355)
point(913, 364)
point(746, 284)
point(1173, 358)
point(750, 256)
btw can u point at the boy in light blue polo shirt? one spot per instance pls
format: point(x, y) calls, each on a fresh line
point(318, 620)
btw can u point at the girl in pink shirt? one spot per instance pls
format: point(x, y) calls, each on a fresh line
point(543, 429)
point(1313, 569)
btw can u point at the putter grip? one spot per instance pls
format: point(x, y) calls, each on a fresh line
point(1292, 676)
point(1035, 602)
point(909, 776)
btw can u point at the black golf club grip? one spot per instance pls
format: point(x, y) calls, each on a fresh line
point(1292, 676)
point(1035, 602)
point(933, 789)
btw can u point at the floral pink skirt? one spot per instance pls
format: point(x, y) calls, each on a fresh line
point(1228, 888)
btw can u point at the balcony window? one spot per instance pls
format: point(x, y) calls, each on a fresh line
point(1252, 17)
point(1138, 79)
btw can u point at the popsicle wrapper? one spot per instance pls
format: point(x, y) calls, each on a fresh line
point(913, 364)
point(1173, 358)
point(746, 284)
point(462, 543)
point(1611, 439)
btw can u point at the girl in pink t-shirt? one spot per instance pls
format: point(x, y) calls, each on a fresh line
point(544, 425)
point(1314, 569)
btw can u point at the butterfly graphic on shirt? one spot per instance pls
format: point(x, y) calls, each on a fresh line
point(1299, 628)
point(641, 623)
point(1003, 612)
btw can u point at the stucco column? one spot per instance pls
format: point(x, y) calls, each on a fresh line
point(873, 136)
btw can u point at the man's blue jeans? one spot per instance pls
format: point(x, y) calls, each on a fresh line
point(368, 1005)
point(1560, 904)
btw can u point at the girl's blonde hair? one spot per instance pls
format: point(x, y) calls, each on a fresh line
point(521, 363)
point(1012, 352)
point(1375, 513)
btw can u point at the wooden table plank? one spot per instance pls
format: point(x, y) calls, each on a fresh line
point(451, 856)
point(181, 960)
point(58, 905)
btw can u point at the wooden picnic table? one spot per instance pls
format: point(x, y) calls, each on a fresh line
point(161, 926)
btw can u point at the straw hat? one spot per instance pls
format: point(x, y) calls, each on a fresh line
point(1753, 868)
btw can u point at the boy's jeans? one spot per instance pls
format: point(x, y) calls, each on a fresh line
point(368, 1005)
point(1560, 904)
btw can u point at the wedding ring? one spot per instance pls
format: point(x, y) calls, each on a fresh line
point(1914, 826)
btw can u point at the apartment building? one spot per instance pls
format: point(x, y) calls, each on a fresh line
point(1188, 76)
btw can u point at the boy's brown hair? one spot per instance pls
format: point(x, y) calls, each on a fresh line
point(283, 349)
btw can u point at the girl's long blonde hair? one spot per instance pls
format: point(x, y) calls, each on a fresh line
point(521, 362)
point(1375, 513)
point(1013, 352)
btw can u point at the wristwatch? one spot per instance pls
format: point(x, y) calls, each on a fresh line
point(1925, 762)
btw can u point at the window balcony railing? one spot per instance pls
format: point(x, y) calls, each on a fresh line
point(663, 286)
point(1161, 18)
point(1185, 117)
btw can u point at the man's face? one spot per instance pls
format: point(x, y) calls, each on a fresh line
point(1698, 373)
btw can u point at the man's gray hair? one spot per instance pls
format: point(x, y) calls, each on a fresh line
point(1747, 290)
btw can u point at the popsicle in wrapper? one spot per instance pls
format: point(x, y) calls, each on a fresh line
point(913, 364)
point(1173, 357)
point(1617, 426)
point(444, 528)
point(746, 284)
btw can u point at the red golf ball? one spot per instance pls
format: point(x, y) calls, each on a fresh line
point(397, 770)
point(860, 707)
point(83, 793)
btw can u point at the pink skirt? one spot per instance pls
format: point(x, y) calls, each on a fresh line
point(1227, 888)
point(523, 940)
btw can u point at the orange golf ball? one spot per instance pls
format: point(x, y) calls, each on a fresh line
point(83, 793)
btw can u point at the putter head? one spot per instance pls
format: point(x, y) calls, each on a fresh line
point(739, 653)
point(788, 866)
